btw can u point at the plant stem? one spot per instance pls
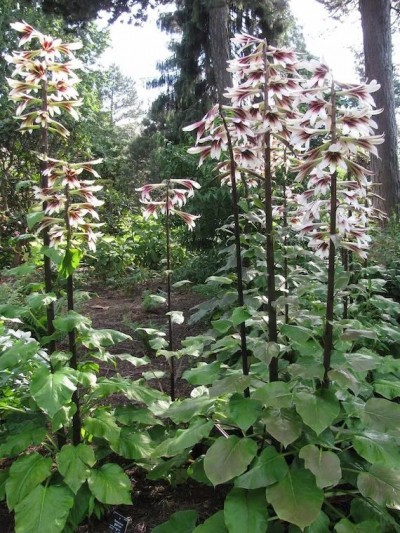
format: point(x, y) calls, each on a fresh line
point(169, 306)
point(239, 266)
point(76, 419)
point(328, 335)
point(44, 146)
point(270, 254)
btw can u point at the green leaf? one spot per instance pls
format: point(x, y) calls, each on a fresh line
point(45, 509)
point(179, 284)
point(377, 448)
point(70, 262)
point(133, 444)
point(180, 522)
point(18, 354)
point(34, 218)
point(110, 485)
point(129, 414)
point(234, 383)
point(298, 334)
point(268, 468)
point(387, 388)
point(37, 300)
point(184, 438)
point(244, 411)
point(70, 321)
point(98, 338)
point(381, 484)
point(320, 525)
point(324, 465)
point(246, 511)
point(296, 498)
point(29, 434)
point(222, 326)
point(228, 458)
point(317, 410)
point(25, 474)
point(203, 374)
point(240, 315)
point(284, 425)
point(75, 463)
point(214, 524)
point(363, 362)
point(102, 424)
point(342, 279)
point(345, 526)
point(275, 394)
point(52, 391)
point(382, 415)
point(186, 409)
point(355, 334)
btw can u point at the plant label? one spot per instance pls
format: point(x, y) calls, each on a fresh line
point(118, 523)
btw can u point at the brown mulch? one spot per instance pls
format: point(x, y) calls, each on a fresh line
point(153, 501)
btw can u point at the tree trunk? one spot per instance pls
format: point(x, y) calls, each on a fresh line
point(377, 40)
point(219, 45)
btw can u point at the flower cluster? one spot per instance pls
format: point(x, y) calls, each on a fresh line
point(43, 69)
point(166, 196)
point(261, 104)
point(339, 122)
point(72, 199)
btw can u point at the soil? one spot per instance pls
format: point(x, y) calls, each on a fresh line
point(153, 501)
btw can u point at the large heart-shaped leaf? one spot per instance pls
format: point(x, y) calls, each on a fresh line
point(133, 444)
point(75, 463)
point(110, 485)
point(381, 484)
point(244, 411)
point(228, 458)
point(25, 474)
point(378, 448)
point(102, 424)
point(214, 524)
point(324, 465)
point(184, 438)
point(45, 509)
point(317, 410)
point(268, 468)
point(274, 394)
point(345, 526)
point(284, 425)
point(52, 391)
point(246, 511)
point(180, 522)
point(296, 498)
point(382, 415)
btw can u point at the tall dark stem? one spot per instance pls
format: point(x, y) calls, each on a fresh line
point(328, 336)
point(44, 145)
point(76, 419)
point(170, 328)
point(270, 254)
point(239, 266)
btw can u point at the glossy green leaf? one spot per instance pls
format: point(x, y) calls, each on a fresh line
point(219, 280)
point(29, 434)
point(222, 325)
point(382, 415)
point(317, 410)
point(297, 334)
point(387, 388)
point(133, 444)
point(34, 218)
point(45, 509)
point(324, 465)
point(240, 315)
point(244, 411)
point(98, 338)
point(214, 524)
point(320, 525)
point(130, 414)
point(228, 458)
point(180, 522)
point(284, 425)
point(381, 484)
point(245, 511)
point(103, 425)
point(203, 374)
point(75, 463)
point(70, 321)
point(176, 317)
point(296, 498)
point(274, 394)
point(109, 484)
point(378, 448)
point(185, 410)
point(18, 354)
point(184, 438)
point(25, 474)
point(367, 526)
point(52, 391)
point(70, 262)
point(268, 468)
point(234, 383)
